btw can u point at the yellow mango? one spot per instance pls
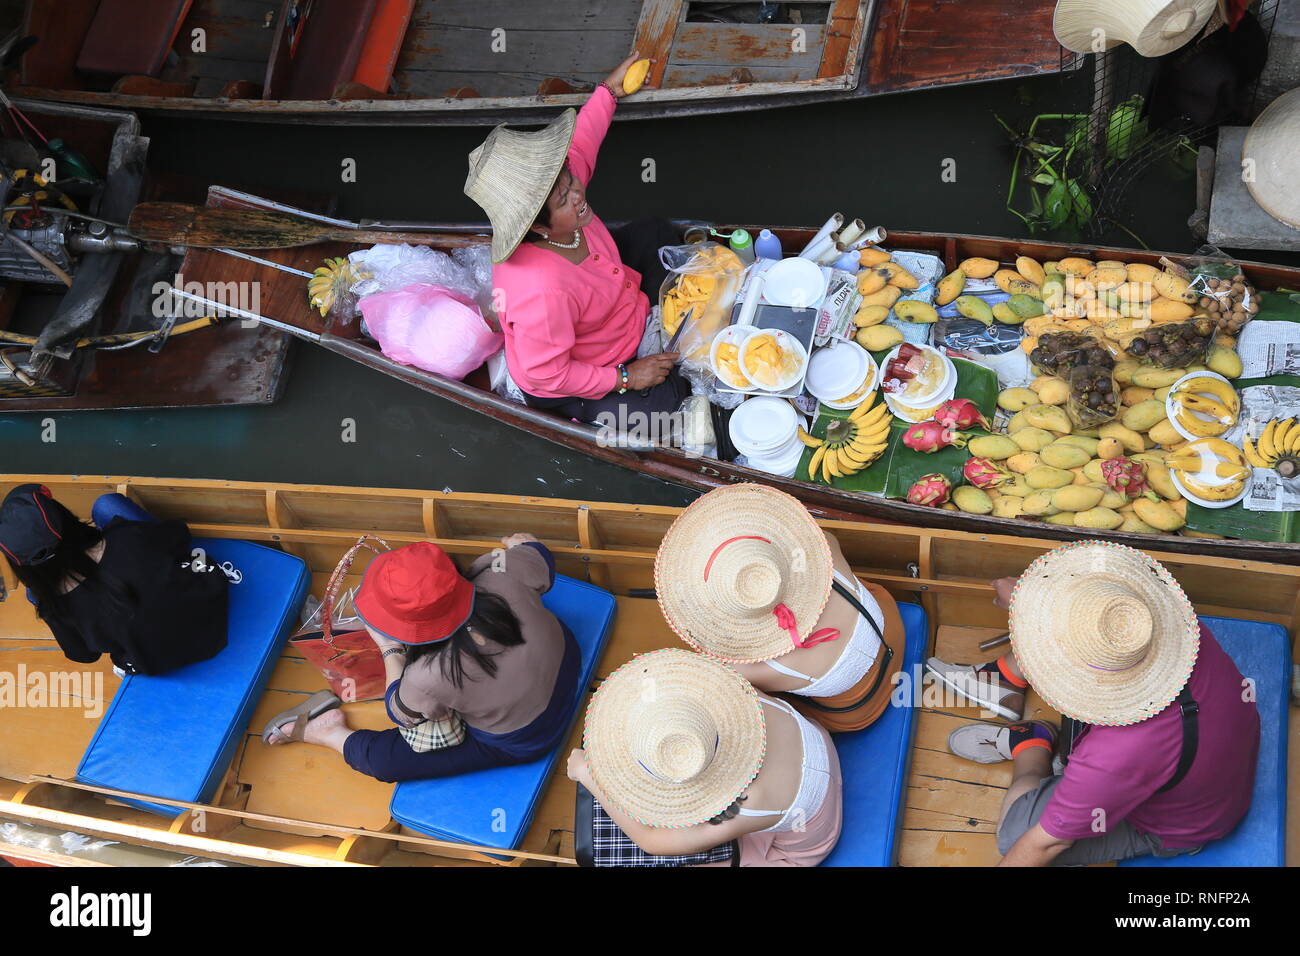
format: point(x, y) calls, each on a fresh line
point(1076, 498)
point(635, 76)
point(1046, 477)
point(977, 268)
point(1159, 514)
point(1033, 439)
point(1016, 399)
point(1023, 463)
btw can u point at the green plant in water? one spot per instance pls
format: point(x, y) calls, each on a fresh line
point(1055, 199)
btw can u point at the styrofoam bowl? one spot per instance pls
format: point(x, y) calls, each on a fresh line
point(735, 334)
point(941, 393)
point(1172, 408)
point(797, 283)
point(788, 343)
point(763, 425)
point(842, 370)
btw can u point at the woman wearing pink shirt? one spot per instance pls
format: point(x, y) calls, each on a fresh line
point(573, 297)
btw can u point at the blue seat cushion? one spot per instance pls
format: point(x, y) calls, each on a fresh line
point(494, 808)
point(874, 763)
point(1262, 653)
point(173, 736)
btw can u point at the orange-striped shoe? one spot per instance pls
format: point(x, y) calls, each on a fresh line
point(987, 685)
point(994, 743)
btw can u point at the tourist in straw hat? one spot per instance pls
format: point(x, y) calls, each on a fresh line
point(479, 673)
point(684, 755)
point(572, 297)
point(1166, 760)
point(746, 575)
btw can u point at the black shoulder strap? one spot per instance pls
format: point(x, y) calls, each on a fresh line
point(852, 598)
point(1191, 738)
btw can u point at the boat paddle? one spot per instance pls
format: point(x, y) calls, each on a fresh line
point(181, 224)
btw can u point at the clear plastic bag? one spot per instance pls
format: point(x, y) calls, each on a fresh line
point(700, 290)
point(1058, 352)
point(1094, 395)
point(388, 267)
point(1226, 295)
point(1173, 344)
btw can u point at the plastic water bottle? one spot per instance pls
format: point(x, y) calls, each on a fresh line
point(767, 246)
point(742, 245)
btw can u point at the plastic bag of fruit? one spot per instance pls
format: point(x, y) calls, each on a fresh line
point(700, 290)
point(1226, 295)
point(1058, 352)
point(1174, 344)
point(1094, 395)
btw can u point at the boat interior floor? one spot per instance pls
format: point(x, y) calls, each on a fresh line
point(950, 815)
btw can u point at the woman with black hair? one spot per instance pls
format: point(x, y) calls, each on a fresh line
point(480, 673)
point(131, 590)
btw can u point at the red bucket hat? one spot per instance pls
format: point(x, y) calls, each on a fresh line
point(415, 595)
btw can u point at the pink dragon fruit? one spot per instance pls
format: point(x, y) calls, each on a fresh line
point(960, 413)
point(932, 490)
point(932, 436)
point(983, 473)
point(1128, 477)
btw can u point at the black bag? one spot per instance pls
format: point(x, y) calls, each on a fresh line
point(598, 841)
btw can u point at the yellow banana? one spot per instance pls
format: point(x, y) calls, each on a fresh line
point(1217, 388)
point(815, 464)
point(809, 440)
point(1267, 451)
point(1212, 407)
point(864, 416)
point(1255, 458)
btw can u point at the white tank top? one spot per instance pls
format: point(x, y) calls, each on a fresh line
point(855, 659)
point(814, 779)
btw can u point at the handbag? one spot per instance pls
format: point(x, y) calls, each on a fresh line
point(435, 734)
point(349, 661)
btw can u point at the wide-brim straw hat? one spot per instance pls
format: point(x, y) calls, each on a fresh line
point(1152, 27)
point(511, 175)
point(1273, 147)
point(737, 567)
point(673, 737)
point(1103, 632)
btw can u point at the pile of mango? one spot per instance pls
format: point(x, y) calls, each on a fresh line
point(1056, 472)
point(1110, 300)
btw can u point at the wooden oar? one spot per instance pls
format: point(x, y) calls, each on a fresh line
point(180, 224)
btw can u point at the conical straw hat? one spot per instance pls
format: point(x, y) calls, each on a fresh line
point(1152, 27)
point(511, 175)
point(734, 563)
point(673, 737)
point(1103, 632)
point(1273, 146)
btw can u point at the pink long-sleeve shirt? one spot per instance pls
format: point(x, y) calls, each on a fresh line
point(568, 326)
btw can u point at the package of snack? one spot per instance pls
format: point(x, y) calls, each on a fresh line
point(700, 290)
point(1094, 396)
point(1173, 344)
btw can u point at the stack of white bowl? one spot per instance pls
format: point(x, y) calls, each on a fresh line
point(765, 430)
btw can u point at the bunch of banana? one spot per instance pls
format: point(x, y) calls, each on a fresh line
point(330, 281)
point(1207, 406)
point(1210, 468)
point(1277, 447)
point(851, 444)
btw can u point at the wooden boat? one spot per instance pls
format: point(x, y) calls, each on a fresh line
point(671, 464)
point(132, 364)
point(304, 806)
point(486, 61)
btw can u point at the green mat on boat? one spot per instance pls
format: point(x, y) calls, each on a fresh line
point(899, 467)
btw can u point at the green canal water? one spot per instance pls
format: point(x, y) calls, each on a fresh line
point(880, 159)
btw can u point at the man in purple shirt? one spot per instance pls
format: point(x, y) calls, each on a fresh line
point(1166, 760)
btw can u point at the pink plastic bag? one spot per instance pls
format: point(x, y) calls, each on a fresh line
point(431, 327)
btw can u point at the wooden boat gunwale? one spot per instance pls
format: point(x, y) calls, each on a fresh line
point(703, 474)
point(876, 43)
point(611, 545)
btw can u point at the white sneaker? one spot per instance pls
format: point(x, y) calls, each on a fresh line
point(987, 690)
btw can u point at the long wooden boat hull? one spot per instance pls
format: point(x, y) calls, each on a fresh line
point(702, 474)
point(301, 805)
point(473, 62)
